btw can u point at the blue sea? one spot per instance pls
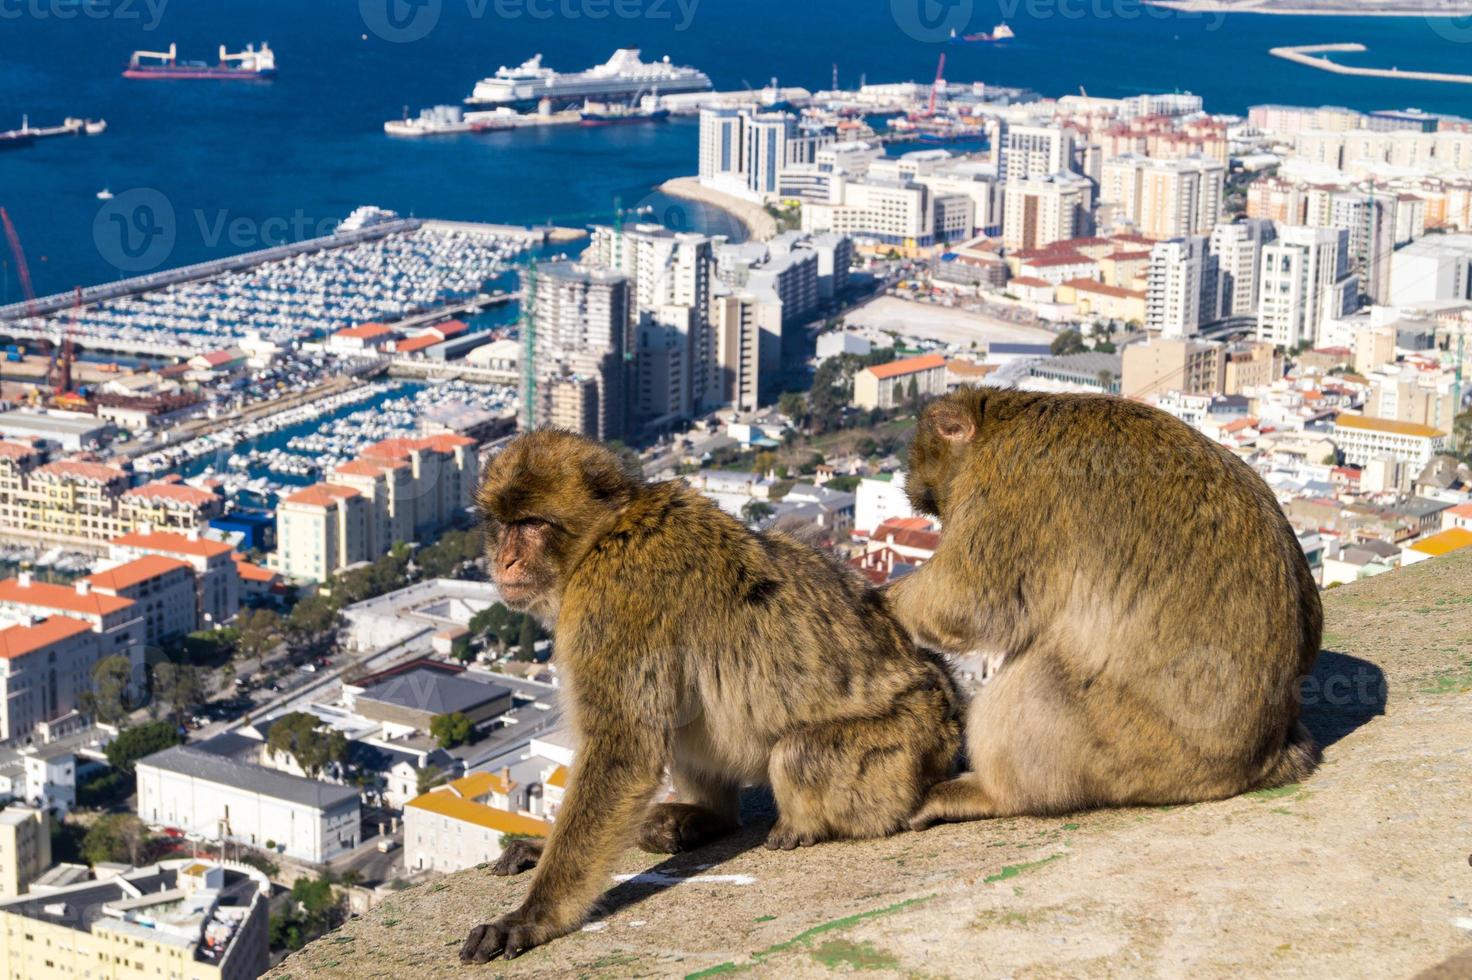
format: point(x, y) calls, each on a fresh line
point(243, 165)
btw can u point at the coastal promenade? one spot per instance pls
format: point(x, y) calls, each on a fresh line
point(758, 223)
point(1305, 55)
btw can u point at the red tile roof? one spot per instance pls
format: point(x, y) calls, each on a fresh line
point(910, 365)
point(1094, 286)
point(1046, 261)
point(19, 640)
point(72, 469)
point(178, 544)
point(422, 342)
point(176, 493)
point(16, 450)
point(402, 448)
point(365, 331)
point(360, 467)
point(450, 328)
point(250, 572)
point(49, 596)
point(1031, 282)
point(322, 495)
point(136, 572)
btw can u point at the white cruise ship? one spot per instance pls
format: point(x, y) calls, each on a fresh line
point(623, 78)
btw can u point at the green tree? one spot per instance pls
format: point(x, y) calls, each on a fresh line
point(450, 729)
point(755, 511)
point(527, 642)
point(312, 616)
point(138, 741)
point(428, 778)
point(794, 406)
point(302, 736)
point(117, 837)
point(178, 687)
point(1068, 342)
point(260, 632)
point(109, 701)
point(913, 394)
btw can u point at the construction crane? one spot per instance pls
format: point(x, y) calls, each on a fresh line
point(20, 263)
point(59, 374)
point(529, 345)
point(940, 79)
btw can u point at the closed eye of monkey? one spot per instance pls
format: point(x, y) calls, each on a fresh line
point(687, 642)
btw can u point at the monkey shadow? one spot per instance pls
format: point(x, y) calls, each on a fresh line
point(1341, 694)
point(758, 812)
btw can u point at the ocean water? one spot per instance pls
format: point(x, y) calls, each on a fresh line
point(243, 165)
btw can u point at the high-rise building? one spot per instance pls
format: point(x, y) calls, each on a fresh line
point(1432, 269)
point(1036, 151)
point(1305, 279)
point(1164, 198)
point(748, 328)
point(1191, 367)
point(1173, 293)
point(1238, 251)
point(1370, 220)
point(675, 372)
point(722, 144)
point(580, 317)
point(1043, 210)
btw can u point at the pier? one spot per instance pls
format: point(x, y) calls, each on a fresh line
point(1305, 55)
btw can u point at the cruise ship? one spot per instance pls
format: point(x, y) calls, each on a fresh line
point(622, 78)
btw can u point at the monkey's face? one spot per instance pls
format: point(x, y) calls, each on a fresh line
point(544, 502)
point(942, 440)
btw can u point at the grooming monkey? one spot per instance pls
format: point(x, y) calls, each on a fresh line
point(686, 640)
point(1152, 604)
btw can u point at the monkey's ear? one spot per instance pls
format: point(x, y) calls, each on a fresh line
point(950, 421)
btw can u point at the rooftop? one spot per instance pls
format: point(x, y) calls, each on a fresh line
point(1389, 426)
point(910, 365)
point(432, 691)
point(321, 495)
point(1444, 542)
point(45, 595)
point(1361, 869)
point(447, 804)
point(137, 571)
point(174, 493)
point(178, 544)
point(190, 761)
point(19, 640)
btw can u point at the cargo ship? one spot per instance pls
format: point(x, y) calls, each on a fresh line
point(600, 114)
point(28, 134)
point(623, 78)
point(446, 120)
point(999, 33)
point(251, 64)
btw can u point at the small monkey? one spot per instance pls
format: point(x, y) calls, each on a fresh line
point(686, 640)
point(1152, 605)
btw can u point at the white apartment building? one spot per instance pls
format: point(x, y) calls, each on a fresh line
point(45, 667)
point(1042, 210)
point(1432, 270)
point(319, 530)
point(1164, 198)
point(745, 151)
point(889, 212)
point(888, 385)
point(1305, 280)
point(217, 578)
point(25, 848)
point(979, 183)
point(222, 799)
point(460, 825)
point(162, 590)
point(1238, 251)
point(1036, 150)
point(1362, 439)
point(1173, 294)
point(581, 317)
point(748, 329)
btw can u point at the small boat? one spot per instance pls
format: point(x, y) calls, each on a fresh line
point(999, 33)
point(104, 195)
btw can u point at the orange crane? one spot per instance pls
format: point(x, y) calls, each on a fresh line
point(20, 262)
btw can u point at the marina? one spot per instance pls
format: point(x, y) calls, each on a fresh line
point(384, 270)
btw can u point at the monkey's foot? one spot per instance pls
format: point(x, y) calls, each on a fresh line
point(511, 935)
point(673, 828)
point(784, 837)
point(521, 854)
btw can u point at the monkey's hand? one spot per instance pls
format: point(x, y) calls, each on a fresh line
point(512, 934)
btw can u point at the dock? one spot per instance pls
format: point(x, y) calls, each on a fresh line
point(1305, 55)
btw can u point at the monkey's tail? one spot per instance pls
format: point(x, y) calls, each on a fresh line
point(1296, 761)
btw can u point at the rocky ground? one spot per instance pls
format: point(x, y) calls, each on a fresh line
point(1363, 870)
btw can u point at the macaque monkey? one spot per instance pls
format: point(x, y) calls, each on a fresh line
point(684, 640)
point(1152, 606)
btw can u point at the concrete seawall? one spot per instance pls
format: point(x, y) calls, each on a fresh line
point(1304, 55)
point(759, 224)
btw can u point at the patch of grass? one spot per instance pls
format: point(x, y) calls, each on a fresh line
point(859, 956)
point(1454, 681)
point(1013, 870)
point(807, 934)
point(764, 918)
point(1070, 826)
point(1277, 792)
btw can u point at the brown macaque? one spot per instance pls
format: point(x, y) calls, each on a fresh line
point(686, 641)
point(1152, 607)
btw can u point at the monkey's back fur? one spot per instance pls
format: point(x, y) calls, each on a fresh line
point(1153, 605)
